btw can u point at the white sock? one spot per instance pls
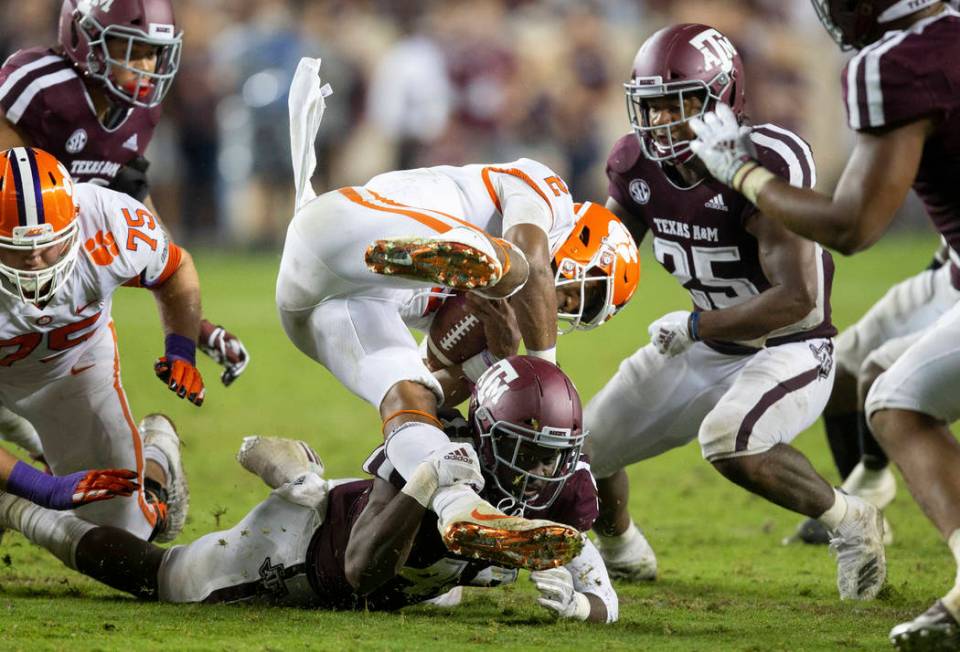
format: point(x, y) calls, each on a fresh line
point(58, 532)
point(616, 540)
point(952, 599)
point(832, 517)
point(412, 443)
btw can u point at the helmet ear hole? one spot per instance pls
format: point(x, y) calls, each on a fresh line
point(585, 235)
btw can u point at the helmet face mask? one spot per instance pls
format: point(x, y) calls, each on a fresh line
point(527, 427)
point(38, 285)
point(600, 264)
point(39, 229)
point(677, 65)
point(106, 41)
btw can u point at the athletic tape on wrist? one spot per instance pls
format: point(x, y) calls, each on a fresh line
point(550, 355)
point(178, 347)
point(474, 367)
point(750, 179)
point(27, 482)
point(693, 326)
point(422, 484)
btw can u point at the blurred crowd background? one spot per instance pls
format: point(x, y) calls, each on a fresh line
point(423, 82)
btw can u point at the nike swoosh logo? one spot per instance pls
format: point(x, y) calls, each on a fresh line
point(485, 517)
point(79, 370)
point(84, 307)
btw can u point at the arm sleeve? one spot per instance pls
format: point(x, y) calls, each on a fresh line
point(590, 576)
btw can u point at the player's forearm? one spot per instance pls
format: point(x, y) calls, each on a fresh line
point(836, 223)
point(7, 462)
point(536, 309)
point(178, 300)
point(380, 543)
point(770, 310)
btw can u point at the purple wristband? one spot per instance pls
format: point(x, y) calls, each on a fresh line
point(45, 490)
point(178, 347)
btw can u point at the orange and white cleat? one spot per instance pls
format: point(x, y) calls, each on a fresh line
point(511, 541)
point(460, 259)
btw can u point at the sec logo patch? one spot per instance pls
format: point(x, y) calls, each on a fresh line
point(77, 141)
point(640, 191)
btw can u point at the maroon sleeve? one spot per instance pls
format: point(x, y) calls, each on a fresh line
point(623, 157)
point(785, 154)
point(576, 505)
point(24, 80)
point(904, 76)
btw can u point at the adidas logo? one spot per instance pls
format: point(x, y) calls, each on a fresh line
point(459, 455)
point(131, 143)
point(716, 203)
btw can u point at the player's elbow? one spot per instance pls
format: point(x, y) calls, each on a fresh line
point(361, 569)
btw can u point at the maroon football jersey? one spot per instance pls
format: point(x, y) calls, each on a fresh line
point(909, 75)
point(431, 569)
point(698, 232)
point(42, 94)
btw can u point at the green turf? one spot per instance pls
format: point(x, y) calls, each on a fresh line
point(726, 581)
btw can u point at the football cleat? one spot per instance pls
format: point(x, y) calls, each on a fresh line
point(510, 541)
point(448, 600)
point(858, 546)
point(276, 460)
point(460, 259)
point(174, 501)
point(628, 556)
point(935, 630)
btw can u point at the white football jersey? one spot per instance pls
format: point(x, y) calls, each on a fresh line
point(479, 194)
point(121, 243)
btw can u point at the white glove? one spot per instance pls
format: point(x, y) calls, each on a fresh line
point(722, 144)
point(558, 594)
point(670, 334)
point(457, 463)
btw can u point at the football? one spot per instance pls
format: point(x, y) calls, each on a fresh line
point(455, 335)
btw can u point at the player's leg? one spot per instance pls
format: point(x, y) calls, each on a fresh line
point(909, 409)
point(779, 393)
point(651, 405)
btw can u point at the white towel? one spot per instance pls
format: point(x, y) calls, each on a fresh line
point(306, 103)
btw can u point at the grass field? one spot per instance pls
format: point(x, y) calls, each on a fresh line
point(726, 582)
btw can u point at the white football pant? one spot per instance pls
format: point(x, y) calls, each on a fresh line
point(84, 422)
point(734, 404)
point(336, 310)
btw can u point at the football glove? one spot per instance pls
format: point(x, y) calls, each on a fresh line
point(225, 349)
point(557, 594)
point(722, 143)
point(181, 377)
point(670, 334)
point(70, 491)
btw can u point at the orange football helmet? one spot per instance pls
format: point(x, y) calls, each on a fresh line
point(39, 230)
point(600, 249)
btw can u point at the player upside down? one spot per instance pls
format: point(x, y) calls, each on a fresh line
point(371, 544)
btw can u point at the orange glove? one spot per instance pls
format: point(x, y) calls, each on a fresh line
point(181, 377)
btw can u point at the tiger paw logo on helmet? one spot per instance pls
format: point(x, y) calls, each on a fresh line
point(102, 248)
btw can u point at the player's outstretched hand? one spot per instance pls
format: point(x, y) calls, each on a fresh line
point(557, 594)
point(181, 377)
point(722, 143)
point(670, 334)
point(70, 491)
point(225, 348)
point(499, 325)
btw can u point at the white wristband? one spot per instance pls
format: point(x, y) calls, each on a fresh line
point(550, 355)
point(474, 367)
point(422, 484)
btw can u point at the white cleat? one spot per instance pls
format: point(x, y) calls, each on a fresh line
point(276, 460)
point(858, 546)
point(158, 431)
point(628, 556)
point(935, 630)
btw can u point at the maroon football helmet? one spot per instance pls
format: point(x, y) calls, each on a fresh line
point(86, 26)
point(858, 23)
point(528, 430)
point(679, 62)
